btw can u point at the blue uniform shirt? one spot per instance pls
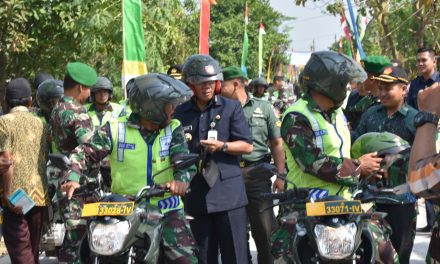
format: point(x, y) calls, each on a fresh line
point(228, 192)
point(418, 84)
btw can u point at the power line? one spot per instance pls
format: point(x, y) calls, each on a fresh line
point(309, 18)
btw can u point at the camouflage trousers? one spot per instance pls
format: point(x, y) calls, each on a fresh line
point(433, 254)
point(178, 243)
point(70, 213)
point(282, 238)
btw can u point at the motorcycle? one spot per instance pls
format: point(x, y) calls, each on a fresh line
point(124, 229)
point(331, 229)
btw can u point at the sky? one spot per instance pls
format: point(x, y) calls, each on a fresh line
point(310, 24)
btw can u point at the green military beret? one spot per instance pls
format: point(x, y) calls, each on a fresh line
point(375, 64)
point(82, 73)
point(232, 72)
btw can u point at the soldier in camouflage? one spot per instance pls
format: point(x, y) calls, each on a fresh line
point(317, 142)
point(259, 88)
point(49, 93)
point(70, 126)
point(283, 101)
point(395, 116)
point(374, 66)
point(153, 98)
point(102, 110)
point(401, 214)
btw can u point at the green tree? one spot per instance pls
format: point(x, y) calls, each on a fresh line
point(227, 29)
point(397, 28)
point(43, 35)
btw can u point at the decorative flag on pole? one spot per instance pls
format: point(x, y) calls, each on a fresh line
point(133, 41)
point(356, 33)
point(245, 42)
point(340, 45)
point(260, 50)
point(363, 24)
point(346, 30)
point(205, 20)
point(269, 65)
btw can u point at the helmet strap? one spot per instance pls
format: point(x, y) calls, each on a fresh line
point(218, 87)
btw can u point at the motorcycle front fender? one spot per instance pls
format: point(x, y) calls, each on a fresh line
point(154, 233)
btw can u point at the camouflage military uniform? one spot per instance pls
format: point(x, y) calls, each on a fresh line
point(70, 126)
point(126, 109)
point(376, 119)
point(354, 112)
point(283, 100)
point(300, 140)
point(98, 119)
point(177, 240)
point(401, 217)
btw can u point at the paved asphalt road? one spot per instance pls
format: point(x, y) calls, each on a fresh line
point(417, 257)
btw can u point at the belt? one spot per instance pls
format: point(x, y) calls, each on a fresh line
point(245, 163)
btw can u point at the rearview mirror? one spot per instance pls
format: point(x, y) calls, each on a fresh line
point(59, 161)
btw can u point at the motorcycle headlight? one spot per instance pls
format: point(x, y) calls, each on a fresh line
point(107, 239)
point(336, 243)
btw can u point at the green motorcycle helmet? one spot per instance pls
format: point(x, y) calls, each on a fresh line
point(103, 83)
point(150, 93)
point(328, 73)
point(383, 143)
point(48, 94)
point(201, 68)
point(260, 82)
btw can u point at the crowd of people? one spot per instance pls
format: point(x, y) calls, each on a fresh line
point(310, 130)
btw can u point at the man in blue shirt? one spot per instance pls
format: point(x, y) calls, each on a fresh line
point(426, 66)
point(217, 127)
point(394, 116)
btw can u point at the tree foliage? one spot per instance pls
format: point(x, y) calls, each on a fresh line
point(397, 28)
point(43, 35)
point(227, 30)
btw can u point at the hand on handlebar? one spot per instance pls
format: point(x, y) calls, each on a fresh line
point(69, 187)
point(177, 187)
point(278, 185)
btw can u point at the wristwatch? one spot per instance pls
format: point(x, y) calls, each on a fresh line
point(425, 117)
point(224, 147)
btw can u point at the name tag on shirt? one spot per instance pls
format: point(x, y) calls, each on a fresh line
point(187, 128)
point(321, 133)
point(126, 146)
point(165, 146)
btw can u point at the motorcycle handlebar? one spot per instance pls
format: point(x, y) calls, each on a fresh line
point(157, 191)
point(273, 196)
point(289, 194)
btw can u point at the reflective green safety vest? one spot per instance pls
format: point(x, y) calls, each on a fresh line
point(133, 162)
point(126, 109)
point(333, 140)
point(108, 115)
